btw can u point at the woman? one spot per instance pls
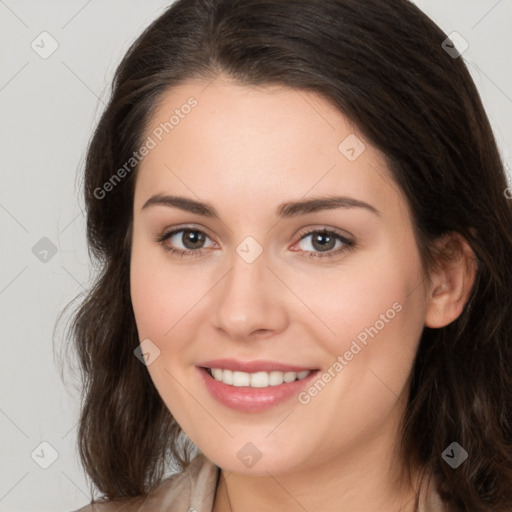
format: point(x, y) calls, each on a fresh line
point(302, 223)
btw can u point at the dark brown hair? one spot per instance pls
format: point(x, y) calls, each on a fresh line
point(383, 65)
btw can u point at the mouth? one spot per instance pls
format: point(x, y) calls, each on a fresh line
point(253, 386)
point(260, 379)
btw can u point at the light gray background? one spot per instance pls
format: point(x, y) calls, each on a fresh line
point(49, 108)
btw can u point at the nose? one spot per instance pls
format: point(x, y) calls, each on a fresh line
point(250, 301)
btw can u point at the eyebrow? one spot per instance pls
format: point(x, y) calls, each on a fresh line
point(285, 210)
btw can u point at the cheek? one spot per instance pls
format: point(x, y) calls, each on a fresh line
point(150, 302)
point(167, 300)
point(160, 293)
point(381, 324)
point(362, 300)
point(376, 313)
point(376, 310)
point(163, 299)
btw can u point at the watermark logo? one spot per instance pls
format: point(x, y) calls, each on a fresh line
point(249, 454)
point(44, 45)
point(352, 147)
point(454, 455)
point(44, 250)
point(147, 352)
point(455, 45)
point(44, 455)
point(249, 249)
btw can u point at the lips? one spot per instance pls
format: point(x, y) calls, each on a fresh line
point(253, 366)
point(253, 386)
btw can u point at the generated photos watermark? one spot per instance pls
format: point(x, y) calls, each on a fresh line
point(305, 397)
point(150, 143)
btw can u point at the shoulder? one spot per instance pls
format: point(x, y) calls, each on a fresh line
point(192, 489)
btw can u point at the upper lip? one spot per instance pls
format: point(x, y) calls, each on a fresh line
point(252, 366)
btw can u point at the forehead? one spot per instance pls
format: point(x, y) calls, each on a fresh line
point(255, 145)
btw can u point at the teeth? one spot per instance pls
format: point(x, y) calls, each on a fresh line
point(240, 378)
point(258, 379)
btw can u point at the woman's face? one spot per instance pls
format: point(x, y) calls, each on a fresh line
point(257, 294)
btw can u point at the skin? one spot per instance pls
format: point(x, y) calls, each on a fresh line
point(245, 150)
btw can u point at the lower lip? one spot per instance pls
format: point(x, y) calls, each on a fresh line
point(249, 399)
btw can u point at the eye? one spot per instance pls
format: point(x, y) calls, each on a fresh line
point(324, 241)
point(191, 239)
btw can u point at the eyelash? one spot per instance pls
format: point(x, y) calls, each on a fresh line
point(348, 244)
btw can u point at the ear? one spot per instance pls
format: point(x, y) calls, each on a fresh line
point(451, 281)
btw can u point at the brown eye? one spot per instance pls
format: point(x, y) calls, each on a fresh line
point(191, 240)
point(324, 241)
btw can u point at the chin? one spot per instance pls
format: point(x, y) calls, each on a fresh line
point(255, 458)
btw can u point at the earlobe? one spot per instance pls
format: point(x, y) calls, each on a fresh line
point(451, 281)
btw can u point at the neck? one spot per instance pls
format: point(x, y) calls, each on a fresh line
point(316, 490)
point(358, 479)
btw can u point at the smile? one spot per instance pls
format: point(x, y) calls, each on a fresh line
point(253, 386)
point(257, 379)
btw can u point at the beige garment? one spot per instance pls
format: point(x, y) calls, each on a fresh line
point(193, 490)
